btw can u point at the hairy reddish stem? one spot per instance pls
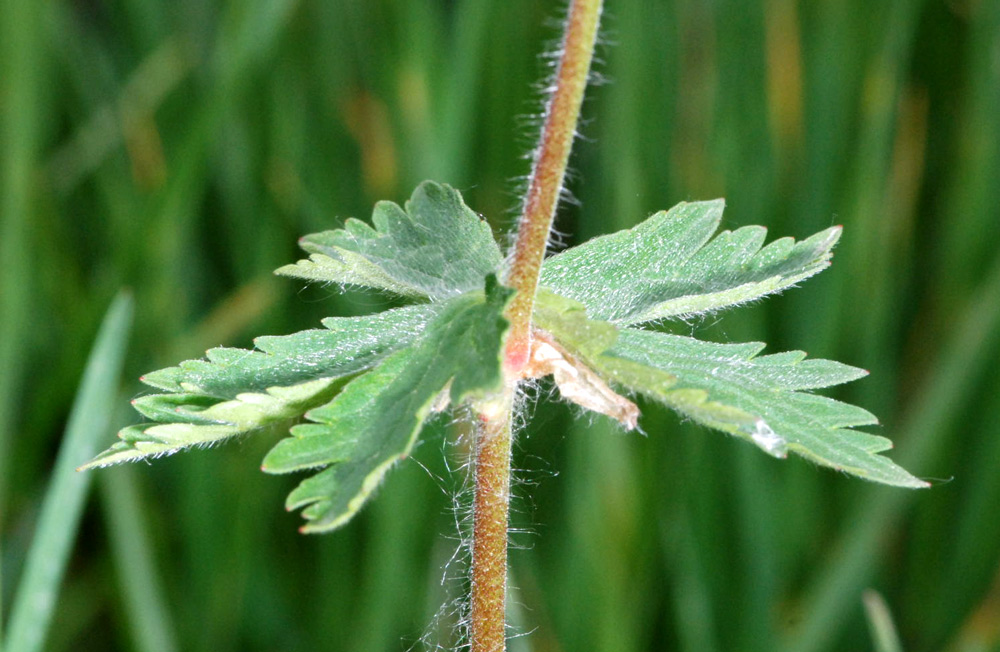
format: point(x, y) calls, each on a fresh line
point(487, 622)
point(547, 174)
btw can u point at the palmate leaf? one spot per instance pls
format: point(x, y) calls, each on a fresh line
point(667, 267)
point(436, 248)
point(374, 421)
point(367, 383)
point(763, 399)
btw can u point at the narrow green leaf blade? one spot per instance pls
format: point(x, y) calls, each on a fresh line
point(435, 247)
point(375, 420)
point(760, 399)
point(36, 594)
point(667, 267)
point(140, 580)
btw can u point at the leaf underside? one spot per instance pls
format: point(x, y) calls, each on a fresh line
point(356, 393)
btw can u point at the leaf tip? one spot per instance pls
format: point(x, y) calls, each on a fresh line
point(914, 482)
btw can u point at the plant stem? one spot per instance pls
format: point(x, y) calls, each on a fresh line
point(487, 623)
point(547, 174)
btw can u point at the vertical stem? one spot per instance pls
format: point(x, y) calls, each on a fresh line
point(547, 174)
point(487, 626)
point(489, 537)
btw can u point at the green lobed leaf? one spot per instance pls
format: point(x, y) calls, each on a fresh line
point(436, 247)
point(236, 391)
point(375, 420)
point(760, 399)
point(668, 267)
point(344, 346)
point(763, 399)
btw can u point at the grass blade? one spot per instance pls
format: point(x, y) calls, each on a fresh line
point(837, 587)
point(89, 421)
point(880, 622)
point(143, 595)
point(21, 115)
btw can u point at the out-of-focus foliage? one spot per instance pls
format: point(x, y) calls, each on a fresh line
point(181, 147)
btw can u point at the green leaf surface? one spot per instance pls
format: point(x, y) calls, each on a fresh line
point(374, 421)
point(567, 318)
point(235, 391)
point(343, 267)
point(436, 247)
point(345, 346)
point(668, 266)
point(761, 399)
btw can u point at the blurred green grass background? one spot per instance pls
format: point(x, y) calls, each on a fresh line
point(180, 149)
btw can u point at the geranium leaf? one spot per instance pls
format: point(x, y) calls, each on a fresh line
point(668, 267)
point(436, 248)
point(366, 385)
point(763, 399)
point(375, 420)
point(235, 391)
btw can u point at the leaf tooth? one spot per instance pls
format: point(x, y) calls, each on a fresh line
point(782, 358)
point(225, 355)
point(777, 251)
point(184, 407)
point(310, 446)
point(318, 243)
point(835, 414)
point(182, 435)
point(165, 379)
point(312, 489)
point(808, 374)
point(356, 228)
point(824, 241)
